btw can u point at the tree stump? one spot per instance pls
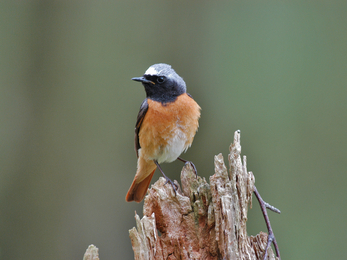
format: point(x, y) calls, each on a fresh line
point(202, 221)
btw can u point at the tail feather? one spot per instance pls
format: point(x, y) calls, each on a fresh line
point(138, 189)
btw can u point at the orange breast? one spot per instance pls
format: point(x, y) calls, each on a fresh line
point(165, 125)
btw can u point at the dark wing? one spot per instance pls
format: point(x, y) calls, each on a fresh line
point(140, 117)
point(189, 95)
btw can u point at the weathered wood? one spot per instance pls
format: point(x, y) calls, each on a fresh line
point(92, 253)
point(203, 221)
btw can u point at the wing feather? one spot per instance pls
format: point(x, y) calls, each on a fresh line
point(140, 117)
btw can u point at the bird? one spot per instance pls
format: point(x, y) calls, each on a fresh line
point(165, 127)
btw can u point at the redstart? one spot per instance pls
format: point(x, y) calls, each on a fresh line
point(166, 125)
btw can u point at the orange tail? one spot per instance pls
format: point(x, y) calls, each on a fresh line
point(143, 177)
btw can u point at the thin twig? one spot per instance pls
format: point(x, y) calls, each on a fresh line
point(271, 236)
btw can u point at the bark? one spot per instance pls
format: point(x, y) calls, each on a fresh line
point(203, 220)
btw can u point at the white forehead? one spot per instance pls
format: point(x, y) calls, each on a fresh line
point(151, 71)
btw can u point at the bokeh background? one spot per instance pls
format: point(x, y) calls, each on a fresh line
point(276, 70)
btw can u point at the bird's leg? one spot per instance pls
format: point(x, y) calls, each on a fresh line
point(271, 236)
point(174, 186)
point(191, 163)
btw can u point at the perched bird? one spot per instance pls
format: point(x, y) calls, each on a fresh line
point(165, 126)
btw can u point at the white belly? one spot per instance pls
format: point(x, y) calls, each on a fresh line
point(175, 146)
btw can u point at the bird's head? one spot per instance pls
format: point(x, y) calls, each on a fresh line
point(162, 83)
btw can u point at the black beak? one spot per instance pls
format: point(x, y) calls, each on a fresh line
point(143, 80)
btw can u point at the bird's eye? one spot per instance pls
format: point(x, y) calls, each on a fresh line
point(161, 79)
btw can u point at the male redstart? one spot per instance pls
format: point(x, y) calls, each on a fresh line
point(166, 124)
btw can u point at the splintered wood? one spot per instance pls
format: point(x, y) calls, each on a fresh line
point(203, 221)
point(92, 253)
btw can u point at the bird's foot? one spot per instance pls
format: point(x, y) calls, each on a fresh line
point(174, 185)
point(191, 163)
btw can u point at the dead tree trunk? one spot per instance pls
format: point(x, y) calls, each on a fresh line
point(203, 221)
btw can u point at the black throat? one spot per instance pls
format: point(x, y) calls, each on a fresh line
point(162, 95)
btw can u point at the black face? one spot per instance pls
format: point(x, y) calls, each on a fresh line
point(160, 88)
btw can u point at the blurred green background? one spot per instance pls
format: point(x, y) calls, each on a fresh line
point(276, 70)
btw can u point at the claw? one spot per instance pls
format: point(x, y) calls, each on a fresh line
point(191, 163)
point(194, 168)
point(174, 185)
